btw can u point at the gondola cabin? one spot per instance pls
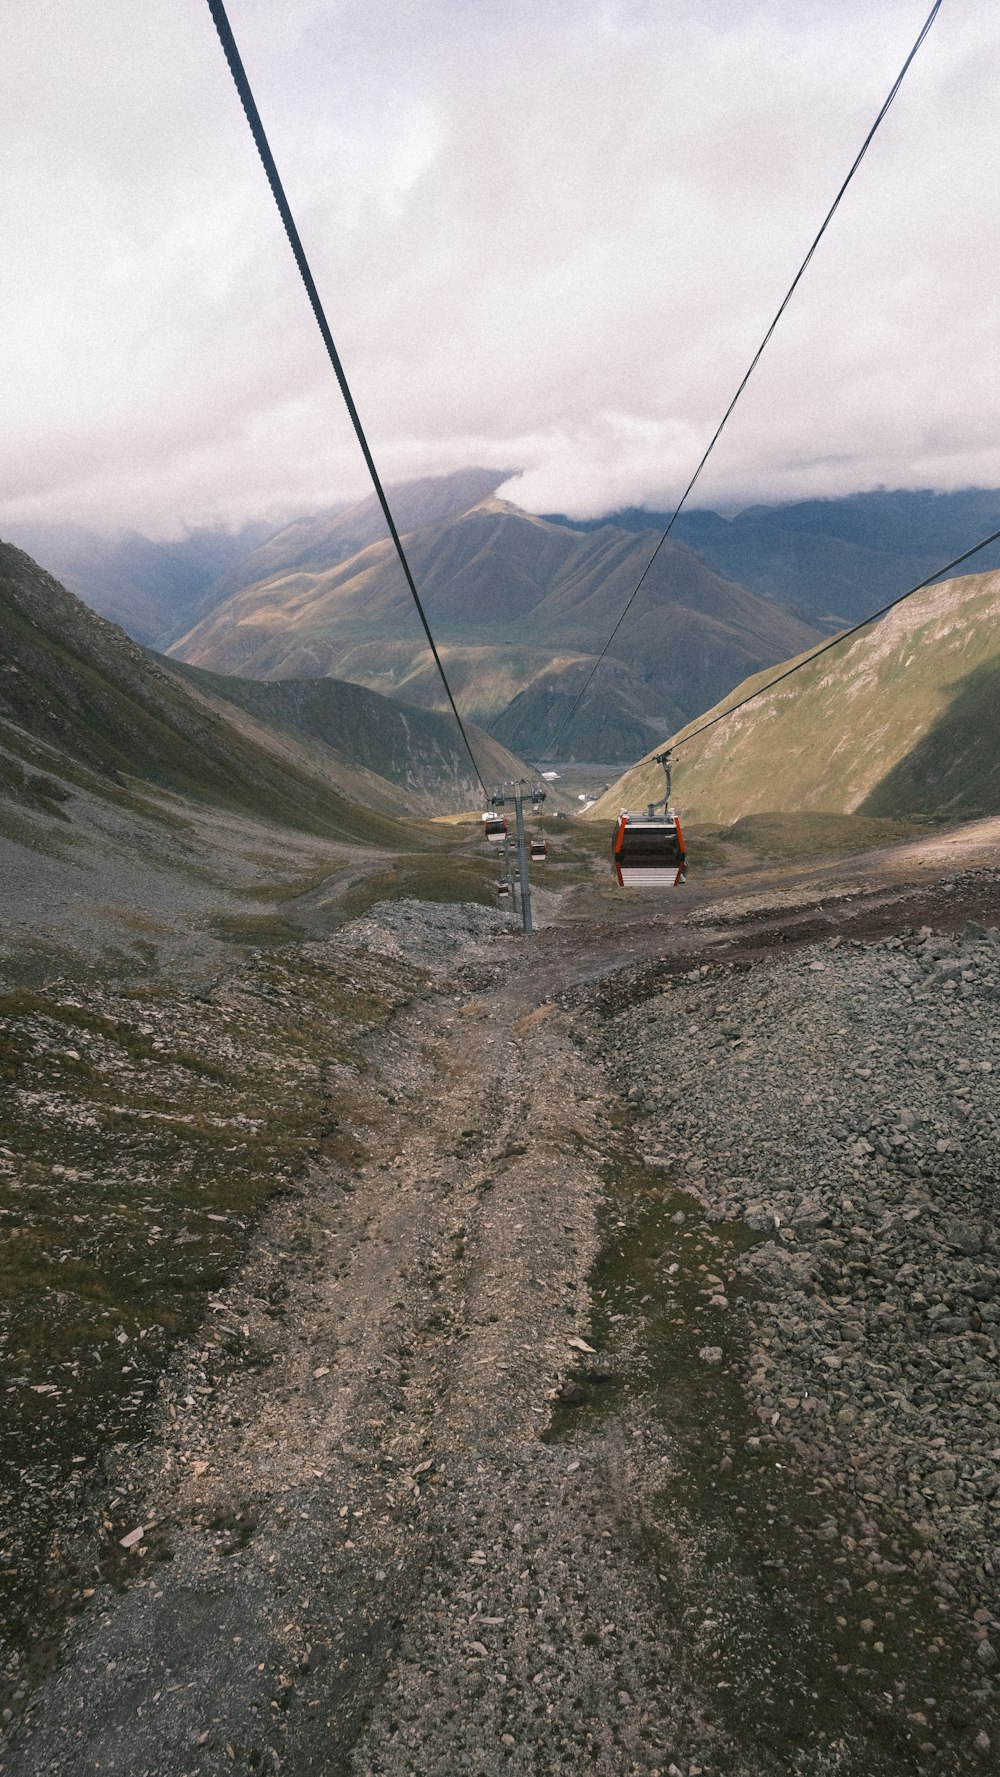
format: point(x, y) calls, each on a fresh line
point(539, 851)
point(503, 894)
point(495, 828)
point(649, 850)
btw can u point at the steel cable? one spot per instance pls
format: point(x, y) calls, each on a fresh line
point(836, 641)
point(755, 360)
point(236, 68)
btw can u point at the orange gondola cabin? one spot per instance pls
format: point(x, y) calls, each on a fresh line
point(649, 851)
point(649, 848)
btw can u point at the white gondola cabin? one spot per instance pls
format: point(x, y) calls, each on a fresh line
point(495, 828)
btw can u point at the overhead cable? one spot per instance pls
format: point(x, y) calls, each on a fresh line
point(755, 360)
point(835, 641)
point(242, 84)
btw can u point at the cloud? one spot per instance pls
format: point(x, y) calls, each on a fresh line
point(544, 234)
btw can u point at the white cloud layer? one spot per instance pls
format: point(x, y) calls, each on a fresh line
point(547, 233)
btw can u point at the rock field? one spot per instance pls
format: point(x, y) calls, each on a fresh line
point(427, 934)
point(844, 1104)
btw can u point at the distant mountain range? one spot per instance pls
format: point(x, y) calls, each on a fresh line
point(521, 606)
point(154, 590)
point(833, 561)
point(901, 721)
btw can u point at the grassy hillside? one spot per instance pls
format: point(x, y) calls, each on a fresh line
point(900, 722)
point(418, 753)
point(76, 683)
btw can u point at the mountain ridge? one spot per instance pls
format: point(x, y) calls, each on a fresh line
point(396, 746)
point(832, 560)
point(106, 716)
point(495, 578)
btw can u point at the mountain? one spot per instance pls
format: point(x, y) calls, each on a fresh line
point(614, 727)
point(833, 561)
point(155, 590)
point(327, 538)
point(82, 706)
point(376, 741)
point(517, 604)
point(899, 722)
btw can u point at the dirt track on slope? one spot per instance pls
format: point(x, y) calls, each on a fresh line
point(384, 1546)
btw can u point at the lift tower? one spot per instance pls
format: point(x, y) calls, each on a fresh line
point(515, 792)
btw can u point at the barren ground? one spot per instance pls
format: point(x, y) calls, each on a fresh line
point(435, 1477)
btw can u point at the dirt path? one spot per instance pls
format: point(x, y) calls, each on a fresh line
point(378, 1545)
point(408, 1316)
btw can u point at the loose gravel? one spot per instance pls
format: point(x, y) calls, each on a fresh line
point(843, 1105)
point(432, 935)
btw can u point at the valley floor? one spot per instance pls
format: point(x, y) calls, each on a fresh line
point(599, 1368)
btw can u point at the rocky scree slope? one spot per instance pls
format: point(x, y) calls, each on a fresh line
point(845, 1107)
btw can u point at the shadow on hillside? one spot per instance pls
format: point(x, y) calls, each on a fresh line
point(955, 768)
point(809, 834)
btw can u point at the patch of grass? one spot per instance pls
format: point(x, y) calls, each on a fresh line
point(255, 930)
point(456, 877)
point(283, 888)
point(34, 834)
point(800, 837)
point(145, 1132)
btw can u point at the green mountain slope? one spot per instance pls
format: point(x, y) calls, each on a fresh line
point(97, 703)
point(901, 721)
point(500, 582)
point(379, 742)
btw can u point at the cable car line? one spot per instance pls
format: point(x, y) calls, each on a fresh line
point(236, 68)
point(648, 849)
point(755, 360)
point(641, 842)
point(835, 641)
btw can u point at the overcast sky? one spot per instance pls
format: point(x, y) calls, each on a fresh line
point(549, 235)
